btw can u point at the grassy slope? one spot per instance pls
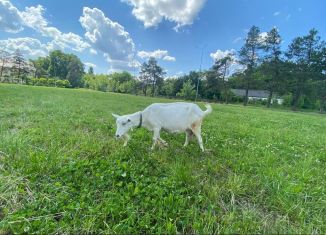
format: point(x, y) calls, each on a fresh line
point(62, 171)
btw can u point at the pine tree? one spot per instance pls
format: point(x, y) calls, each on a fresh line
point(90, 70)
point(272, 62)
point(19, 68)
point(221, 68)
point(151, 74)
point(303, 54)
point(249, 56)
point(4, 59)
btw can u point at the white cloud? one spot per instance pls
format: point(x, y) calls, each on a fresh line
point(176, 75)
point(169, 58)
point(263, 37)
point(33, 17)
point(219, 54)
point(89, 64)
point(157, 54)
point(151, 13)
point(236, 40)
point(10, 20)
point(92, 51)
point(108, 37)
point(13, 20)
point(235, 65)
point(29, 47)
point(276, 13)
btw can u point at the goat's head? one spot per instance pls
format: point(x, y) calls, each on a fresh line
point(124, 124)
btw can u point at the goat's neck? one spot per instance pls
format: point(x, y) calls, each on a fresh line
point(135, 118)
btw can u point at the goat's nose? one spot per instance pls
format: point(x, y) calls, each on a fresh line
point(117, 136)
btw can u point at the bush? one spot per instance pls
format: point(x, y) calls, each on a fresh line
point(96, 82)
point(41, 82)
point(287, 100)
point(52, 82)
point(188, 91)
point(127, 87)
point(63, 83)
point(309, 103)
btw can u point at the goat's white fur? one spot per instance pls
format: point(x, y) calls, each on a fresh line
point(172, 117)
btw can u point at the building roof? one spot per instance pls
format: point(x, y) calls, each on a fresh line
point(251, 93)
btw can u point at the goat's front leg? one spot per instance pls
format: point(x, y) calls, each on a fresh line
point(163, 142)
point(156, 137)
point(187, 140)
point(126, 138)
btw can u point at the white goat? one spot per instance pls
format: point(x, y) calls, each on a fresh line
point(172, 117)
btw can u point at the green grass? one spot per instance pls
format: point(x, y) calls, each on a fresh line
point(61, 170)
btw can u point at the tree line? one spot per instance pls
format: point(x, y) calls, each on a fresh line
point(57, 69)
point(297, 73)
point(60, 66)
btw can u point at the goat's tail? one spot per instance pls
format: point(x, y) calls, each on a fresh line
point(208, 109)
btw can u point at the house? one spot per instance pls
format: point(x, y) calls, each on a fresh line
point(257, 95)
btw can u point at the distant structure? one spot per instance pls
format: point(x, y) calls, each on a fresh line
point(257, 95)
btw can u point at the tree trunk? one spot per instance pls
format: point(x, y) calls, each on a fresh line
point(153, 88)
point(245, 102)
point(18, 71)
point(145, 89)
point(3, 65)
point(269, 100)
point(322, 105)
point(226, 98)
point(295, 101)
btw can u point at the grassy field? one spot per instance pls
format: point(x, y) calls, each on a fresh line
point(62, 171)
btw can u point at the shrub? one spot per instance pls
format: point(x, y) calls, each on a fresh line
point(41, 82)
point(63, 83)
point(188, 91)
point(287, 100)
point(53, 82)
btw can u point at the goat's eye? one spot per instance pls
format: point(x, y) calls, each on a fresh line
point(128, 120)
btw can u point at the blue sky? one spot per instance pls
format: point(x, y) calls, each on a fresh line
point(115, 35)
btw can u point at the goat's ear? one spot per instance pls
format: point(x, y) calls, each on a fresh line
point(115, 115)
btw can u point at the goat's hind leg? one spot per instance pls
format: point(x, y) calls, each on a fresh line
point(196, 129)
point(189, 135)
point(200, 141)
